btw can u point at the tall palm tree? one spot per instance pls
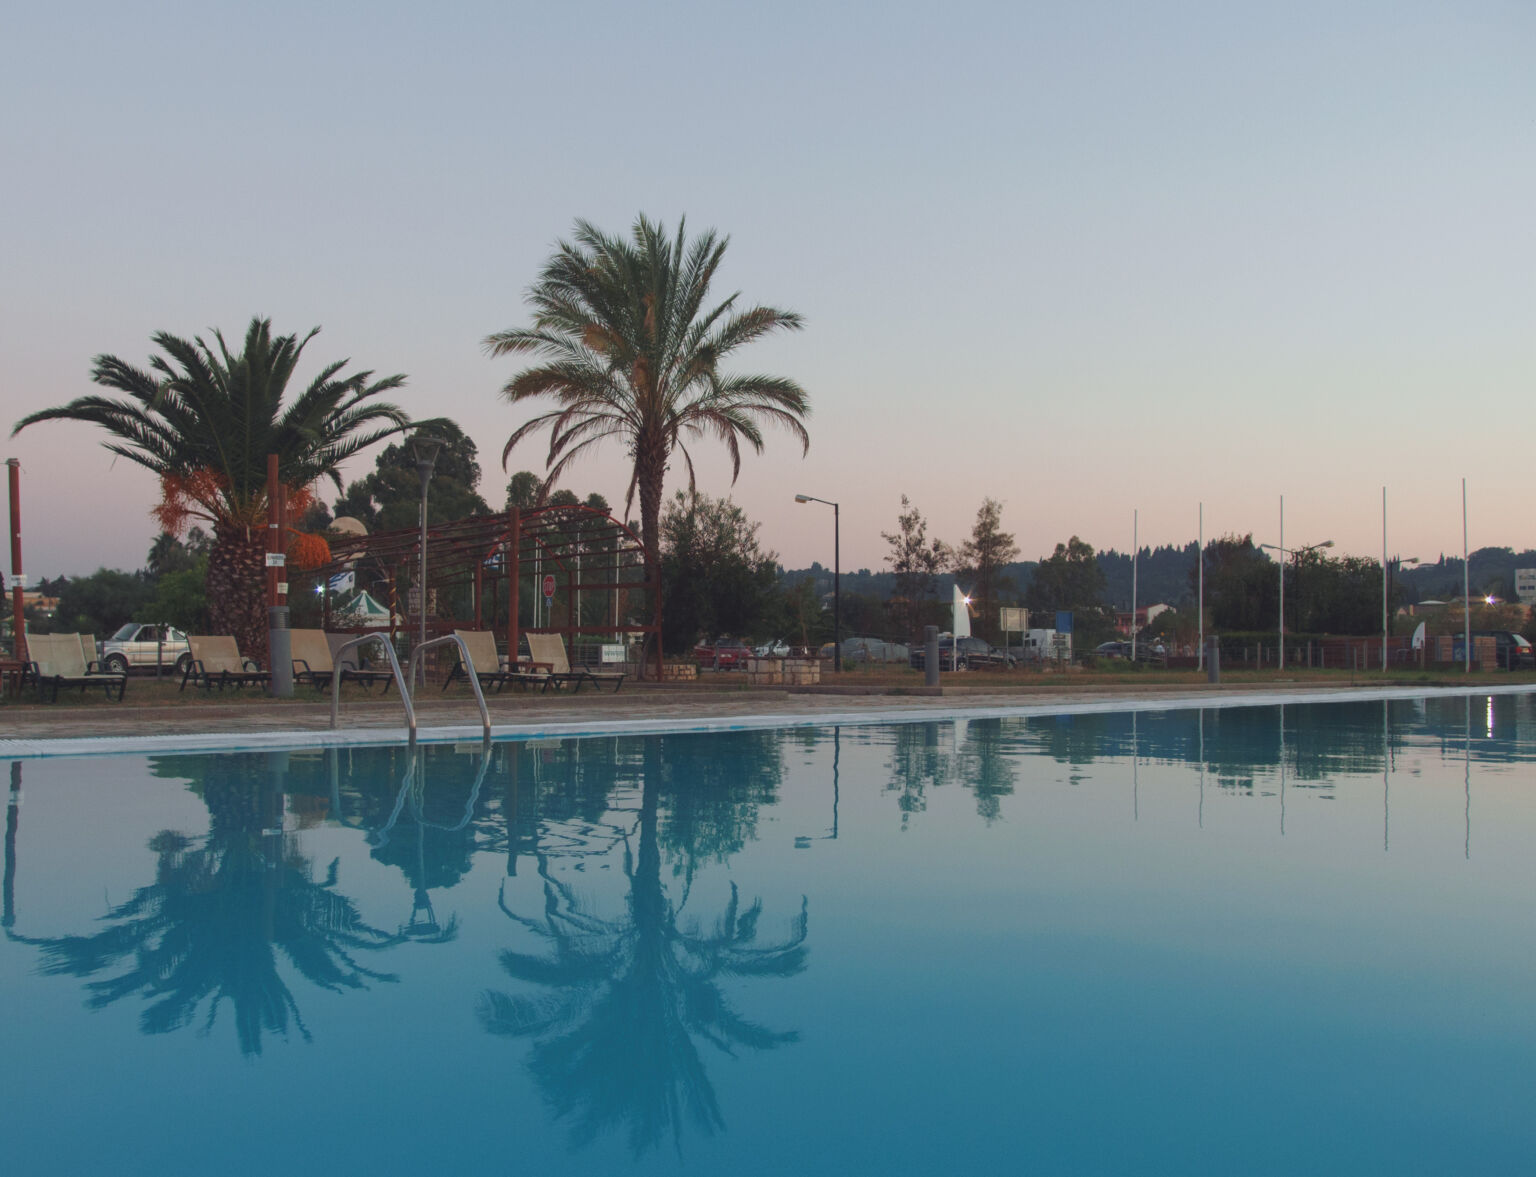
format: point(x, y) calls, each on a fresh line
point(204, 420)
point(630, 350)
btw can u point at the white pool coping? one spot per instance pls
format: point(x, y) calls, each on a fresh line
point(247, 741)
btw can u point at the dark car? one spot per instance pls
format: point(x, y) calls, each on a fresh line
point(722, 654)
point(1145, 651)
point(973, 651)
point(1511, 651)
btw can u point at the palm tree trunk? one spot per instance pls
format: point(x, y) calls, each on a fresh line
point(650, 472)
point(235, 587)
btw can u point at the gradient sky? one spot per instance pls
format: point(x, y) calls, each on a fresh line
point(1085, 259)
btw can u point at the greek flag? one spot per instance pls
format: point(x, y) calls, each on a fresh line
point(343, 582)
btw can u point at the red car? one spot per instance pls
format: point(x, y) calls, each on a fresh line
point(723, 654)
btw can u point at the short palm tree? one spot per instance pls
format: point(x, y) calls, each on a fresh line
point(205, 420)
point(630, 350)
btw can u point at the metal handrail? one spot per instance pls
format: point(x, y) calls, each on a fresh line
point(474, 679)
point(394, 666)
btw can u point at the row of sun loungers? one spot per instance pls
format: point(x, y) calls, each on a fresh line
point(547, 667)
point(69, 660)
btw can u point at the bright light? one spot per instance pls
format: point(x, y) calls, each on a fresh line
point(1490, 600)
point(319, 588)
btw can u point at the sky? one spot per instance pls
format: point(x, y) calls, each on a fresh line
point(1101, 262)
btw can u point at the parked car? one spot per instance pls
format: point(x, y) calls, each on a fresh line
point(972, 651)
point(778, 648)
point(861, 649)
point(722, 653)
point(1153, 651)
point(136, 646)
point(1512, 651)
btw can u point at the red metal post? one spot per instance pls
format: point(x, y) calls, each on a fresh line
point(282, 533)
point(273, 528)
point(514, 574)
point(18, 607)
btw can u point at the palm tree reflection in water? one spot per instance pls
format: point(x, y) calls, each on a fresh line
point(221, 909)
point(615, 1043)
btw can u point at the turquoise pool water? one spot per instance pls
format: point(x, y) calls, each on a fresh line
point(1255, 940)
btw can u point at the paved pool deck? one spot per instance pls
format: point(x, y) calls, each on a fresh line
point(248, 722)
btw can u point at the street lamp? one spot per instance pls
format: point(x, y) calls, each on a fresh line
point(425, 448)
point(837, 583)
point(1284, 552)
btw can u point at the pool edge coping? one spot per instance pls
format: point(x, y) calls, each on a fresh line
point(289, 740)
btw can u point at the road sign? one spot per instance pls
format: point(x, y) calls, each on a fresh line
point(549, 585)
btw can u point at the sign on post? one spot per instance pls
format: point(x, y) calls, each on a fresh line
point(549, 586)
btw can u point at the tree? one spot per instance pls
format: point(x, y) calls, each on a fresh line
point(523, 490)
point(204, 420)
point(1241, 588)
point(916, 560)
point(169, 554)
point(389, 498)
point(715, 577)
point(1071, 579)
point(981, 559)
point(102, 602)
point(1068, 579)
point(630, 351)
point(180, 599)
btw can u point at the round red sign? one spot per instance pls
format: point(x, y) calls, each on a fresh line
point(549, 585)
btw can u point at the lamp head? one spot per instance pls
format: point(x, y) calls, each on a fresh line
point(424, 446)
point(802, 498)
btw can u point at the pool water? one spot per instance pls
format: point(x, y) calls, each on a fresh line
point(1253, 940)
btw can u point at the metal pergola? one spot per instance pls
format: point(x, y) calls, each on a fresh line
point(582, 554)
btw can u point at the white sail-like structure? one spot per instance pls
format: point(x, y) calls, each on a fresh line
point(962, 623)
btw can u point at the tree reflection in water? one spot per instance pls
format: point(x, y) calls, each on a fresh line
point(614, 1034)
point(221, 909)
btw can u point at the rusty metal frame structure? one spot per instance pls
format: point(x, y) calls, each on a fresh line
point(482, 550)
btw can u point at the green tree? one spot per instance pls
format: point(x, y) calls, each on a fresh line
point(981, 559)
point(630, 351)
point(716, 579)
point(180, 599)
point(169, 554)
point(1241, 587)
point(1071, 579)
point(389, 497)
point(204, 419)
point(917, 561)
point(102, 602)
point(523, 490)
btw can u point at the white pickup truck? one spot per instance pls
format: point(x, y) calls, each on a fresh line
point(137, 646)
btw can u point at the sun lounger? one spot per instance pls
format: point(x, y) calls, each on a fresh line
point(69, 660)
point(216, 662)
point(484, 662)
point(312, 662)
point(549, 648)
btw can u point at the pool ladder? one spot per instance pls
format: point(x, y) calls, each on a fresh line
point(403, 681)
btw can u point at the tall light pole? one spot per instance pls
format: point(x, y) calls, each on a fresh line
point(1283, 552)
point(837, 582)
point(425, 448)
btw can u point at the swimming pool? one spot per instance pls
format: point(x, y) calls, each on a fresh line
point(1257, 940)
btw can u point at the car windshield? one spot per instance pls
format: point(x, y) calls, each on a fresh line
point(125, 634)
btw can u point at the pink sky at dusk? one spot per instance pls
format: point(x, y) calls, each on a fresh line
point(1093, 261)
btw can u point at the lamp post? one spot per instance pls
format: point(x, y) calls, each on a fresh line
point(1284, 552)
point(837, 583)
point(425, 448)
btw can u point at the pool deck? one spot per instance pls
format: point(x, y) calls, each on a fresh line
point(251, 723)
